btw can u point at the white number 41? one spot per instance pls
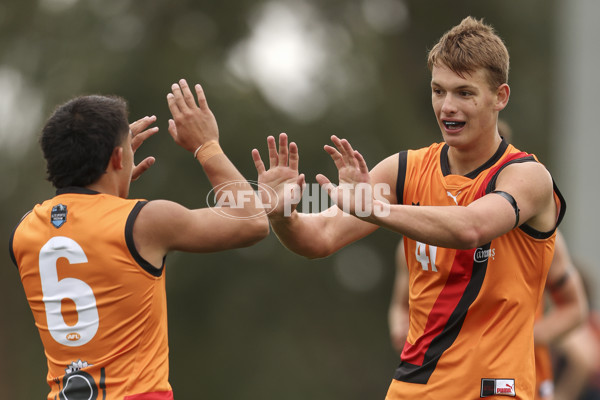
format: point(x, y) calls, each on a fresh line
point(421, 253)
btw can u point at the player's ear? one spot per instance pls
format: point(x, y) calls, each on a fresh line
point(502, 95)
point(116, 158)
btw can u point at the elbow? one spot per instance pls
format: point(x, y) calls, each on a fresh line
point(310, 251)
point(470, 230)
point(253, 231)
point(260, 229)
point(316, 255)
point(322, 249)
point(469, 238)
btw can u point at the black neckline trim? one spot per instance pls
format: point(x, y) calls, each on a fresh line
point(75, 189)
point(473, 174)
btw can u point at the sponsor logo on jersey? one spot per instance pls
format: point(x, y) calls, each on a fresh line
point(58, 216)
point(482, 255)
point(505, 387)
point(498, 387)
point(454, 197)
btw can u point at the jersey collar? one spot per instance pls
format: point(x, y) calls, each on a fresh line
point(75, 189)
point(473, 174)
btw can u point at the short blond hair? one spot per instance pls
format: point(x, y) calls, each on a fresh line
point(470, 45)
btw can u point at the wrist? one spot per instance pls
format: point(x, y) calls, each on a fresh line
point(207, 150)
point(379, 210)
point(281, 219)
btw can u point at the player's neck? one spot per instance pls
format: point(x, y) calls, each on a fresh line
point(108, 183)
point(463, 160)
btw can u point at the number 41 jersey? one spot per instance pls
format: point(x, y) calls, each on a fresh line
point(100, 308)
point(471, 311)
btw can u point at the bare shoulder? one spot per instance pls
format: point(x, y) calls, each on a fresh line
point(157, 220)
point(386, 172)
point(531, 185)
point(530, 177)
point(160, 214)
point(387, 165)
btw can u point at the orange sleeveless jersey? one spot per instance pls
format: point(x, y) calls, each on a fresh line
point(99, 307)
point(471, 311)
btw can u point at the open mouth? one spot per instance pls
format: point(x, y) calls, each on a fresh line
point(453, 125)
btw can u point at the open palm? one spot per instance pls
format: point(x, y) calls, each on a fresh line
point(354, 193)
point(281, 179)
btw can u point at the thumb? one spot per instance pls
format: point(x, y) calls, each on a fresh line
point(325, 183)
point(172, 129)
point(301, 181)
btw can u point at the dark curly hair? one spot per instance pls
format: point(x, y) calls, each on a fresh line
point(80, 136)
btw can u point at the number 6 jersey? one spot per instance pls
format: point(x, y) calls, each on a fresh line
point(100, 308)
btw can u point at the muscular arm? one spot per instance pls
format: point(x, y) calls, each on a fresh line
point(162, 226)
point(319, 235)
point(483, 220)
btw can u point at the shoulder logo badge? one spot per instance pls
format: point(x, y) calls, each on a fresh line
point(58, 216)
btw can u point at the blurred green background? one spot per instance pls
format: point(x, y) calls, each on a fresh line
point(256, 323)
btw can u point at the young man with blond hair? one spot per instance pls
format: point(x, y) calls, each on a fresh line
point(478, 219)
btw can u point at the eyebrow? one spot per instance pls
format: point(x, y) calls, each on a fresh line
point(457, 88)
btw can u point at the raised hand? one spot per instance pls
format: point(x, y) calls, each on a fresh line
point(354, 194)
point(282, 177)
point(193, 124)
point(140, 131)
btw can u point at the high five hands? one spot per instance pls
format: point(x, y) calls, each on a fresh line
point(193, 124)
point(353, 195)
point(282, 177)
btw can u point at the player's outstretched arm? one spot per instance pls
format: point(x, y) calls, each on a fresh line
point(487, 218)
point(456, 227)
point(311, 235)
point(163, 225)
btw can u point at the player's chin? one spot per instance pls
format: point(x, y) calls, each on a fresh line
point(452, 138)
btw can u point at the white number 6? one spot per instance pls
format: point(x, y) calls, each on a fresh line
point(55, 291)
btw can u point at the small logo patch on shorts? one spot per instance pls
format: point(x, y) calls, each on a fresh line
point(498, 387)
